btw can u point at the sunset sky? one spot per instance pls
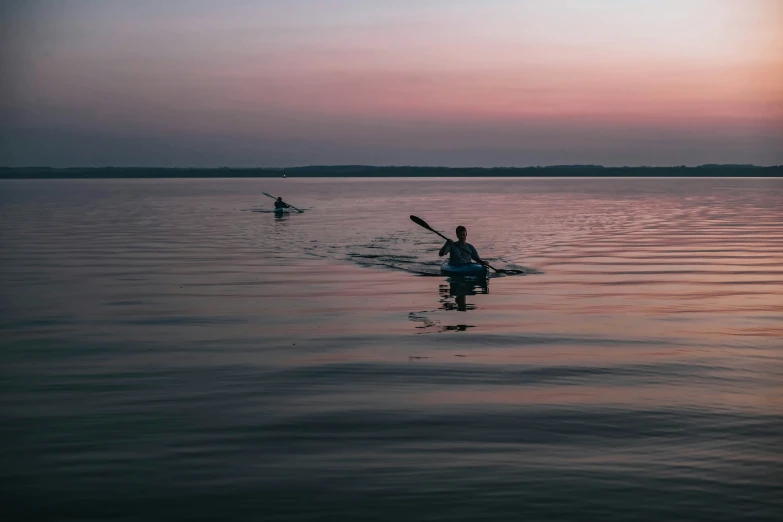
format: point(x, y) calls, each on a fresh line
point(391, 82)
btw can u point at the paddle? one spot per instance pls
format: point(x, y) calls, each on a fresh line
point(424, 224)
point(271, 196)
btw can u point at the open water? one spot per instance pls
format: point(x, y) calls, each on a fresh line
point(172, 350)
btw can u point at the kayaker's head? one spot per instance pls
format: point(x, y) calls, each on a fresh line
point(462, 234)
point(280, 199)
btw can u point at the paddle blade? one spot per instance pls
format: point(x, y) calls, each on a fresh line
point(421, 222)
point(509, 271)
point(270, 195)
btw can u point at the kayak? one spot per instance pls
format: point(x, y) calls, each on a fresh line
point(282, 210)
point(469, 270)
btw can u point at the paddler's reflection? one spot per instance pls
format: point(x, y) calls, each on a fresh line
point(459, 290)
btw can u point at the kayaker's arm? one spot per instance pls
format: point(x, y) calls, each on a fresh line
point(445, 248)
point(476, 257)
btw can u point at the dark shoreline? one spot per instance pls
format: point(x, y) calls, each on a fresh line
point(369, 171)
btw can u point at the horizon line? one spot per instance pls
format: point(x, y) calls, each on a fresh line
point(364, 166)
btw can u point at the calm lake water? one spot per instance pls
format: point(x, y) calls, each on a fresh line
point(172, 350)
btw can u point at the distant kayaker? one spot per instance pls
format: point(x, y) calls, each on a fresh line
point(461, 252)
point(279, 203)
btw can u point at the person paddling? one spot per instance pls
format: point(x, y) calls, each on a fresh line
point(280, 204)
point(461, 252)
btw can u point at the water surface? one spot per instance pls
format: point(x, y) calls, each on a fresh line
point(173, 350)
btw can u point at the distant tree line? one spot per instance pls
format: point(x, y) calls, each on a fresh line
point(708, 170)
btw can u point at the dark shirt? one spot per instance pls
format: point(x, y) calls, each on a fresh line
point(457, 254)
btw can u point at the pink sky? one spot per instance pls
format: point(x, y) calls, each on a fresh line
point(484, 83)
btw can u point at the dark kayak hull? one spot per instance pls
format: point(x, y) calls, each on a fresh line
point(469, 270)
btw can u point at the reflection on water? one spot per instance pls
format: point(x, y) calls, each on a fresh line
point(459, 289)
point(453, 297)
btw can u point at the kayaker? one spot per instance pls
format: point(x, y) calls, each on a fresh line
point(461, 252)
point(279, 203)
